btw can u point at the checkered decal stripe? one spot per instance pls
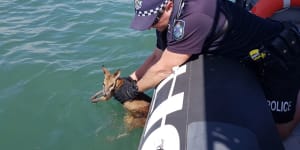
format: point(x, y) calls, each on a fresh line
point(152, 11)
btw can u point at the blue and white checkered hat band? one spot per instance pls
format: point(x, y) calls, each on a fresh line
point(152, 11)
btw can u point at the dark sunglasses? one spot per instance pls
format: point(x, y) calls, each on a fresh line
point(158, 16)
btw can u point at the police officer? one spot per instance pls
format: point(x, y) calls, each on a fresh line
point(185, 28)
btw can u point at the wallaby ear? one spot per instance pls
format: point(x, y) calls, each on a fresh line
point(105, 71)
point(117, 73)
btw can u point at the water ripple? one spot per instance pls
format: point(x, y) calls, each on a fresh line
point(50, 57)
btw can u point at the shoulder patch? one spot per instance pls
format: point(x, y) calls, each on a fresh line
point(178, 29)
point(138, 4)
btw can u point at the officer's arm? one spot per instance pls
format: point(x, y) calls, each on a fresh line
point(152, 59)
point(161, 70)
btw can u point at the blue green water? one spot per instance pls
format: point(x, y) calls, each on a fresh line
point(51, 52)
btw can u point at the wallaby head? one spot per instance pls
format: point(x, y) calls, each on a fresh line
point(110, 82)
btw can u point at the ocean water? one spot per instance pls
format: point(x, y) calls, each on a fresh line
point(51, 52)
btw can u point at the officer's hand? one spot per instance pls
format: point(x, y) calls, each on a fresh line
point(127, 91)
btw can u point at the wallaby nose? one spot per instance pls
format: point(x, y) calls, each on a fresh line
point(95, 97)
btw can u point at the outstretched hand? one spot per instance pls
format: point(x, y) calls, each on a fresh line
point(127, 91)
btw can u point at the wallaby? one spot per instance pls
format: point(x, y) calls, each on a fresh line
point(136, 109)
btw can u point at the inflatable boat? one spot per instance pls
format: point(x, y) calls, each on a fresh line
point(195, 108)
point(204, 105)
